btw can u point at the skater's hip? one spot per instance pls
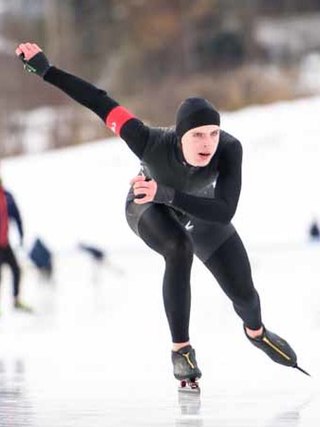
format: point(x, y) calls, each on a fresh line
point(206, 236)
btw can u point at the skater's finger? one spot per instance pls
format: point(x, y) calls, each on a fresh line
point(137, 179)
point(138, 191)
point(27, 50)
point(142, 200)
point(35, 46)
point(141, 184)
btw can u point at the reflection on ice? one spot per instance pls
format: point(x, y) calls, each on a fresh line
point(286, 419)
point(290, 417)
point(247, 410)
point(15, 406)
point(190, 405)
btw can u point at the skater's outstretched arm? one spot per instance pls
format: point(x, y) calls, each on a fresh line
point(116, 117)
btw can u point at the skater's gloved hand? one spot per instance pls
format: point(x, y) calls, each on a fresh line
point(150, 191)
point(143, 189)
point(33, 58)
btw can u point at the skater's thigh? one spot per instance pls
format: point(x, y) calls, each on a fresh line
point(231, 267)
point(208, 237)
point(159, 227)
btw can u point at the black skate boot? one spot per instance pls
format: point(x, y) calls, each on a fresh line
point(185, 368)
point(276, 348)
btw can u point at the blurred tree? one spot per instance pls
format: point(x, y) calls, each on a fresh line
point(137, 49)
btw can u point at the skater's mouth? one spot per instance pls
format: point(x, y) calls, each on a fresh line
point(204, 155)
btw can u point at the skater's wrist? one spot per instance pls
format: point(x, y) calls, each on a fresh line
point(38, 64)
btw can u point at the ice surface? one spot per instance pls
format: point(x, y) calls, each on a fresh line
point(97, 353)
point(97, 350)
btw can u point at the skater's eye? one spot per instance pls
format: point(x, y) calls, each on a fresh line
point(198, 134)
point(215, 133)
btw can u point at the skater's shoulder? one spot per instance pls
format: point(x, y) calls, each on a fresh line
point(227, 138)
point(163, 133)
point(162, 137)
point(229, 145)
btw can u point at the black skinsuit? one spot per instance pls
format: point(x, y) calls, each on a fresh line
point(194, 218)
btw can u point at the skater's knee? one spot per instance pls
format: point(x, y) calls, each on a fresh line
point(249, 299)
point(179, 247)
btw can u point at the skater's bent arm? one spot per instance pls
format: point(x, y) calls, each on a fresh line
point(227, 191)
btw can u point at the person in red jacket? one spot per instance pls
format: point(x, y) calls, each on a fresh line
point(9, 210)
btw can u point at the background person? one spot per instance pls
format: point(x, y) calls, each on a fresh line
point(9, 211)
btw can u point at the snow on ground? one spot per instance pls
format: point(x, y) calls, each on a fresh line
point(97, 350)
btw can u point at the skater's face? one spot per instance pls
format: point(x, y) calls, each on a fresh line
point(199, 144)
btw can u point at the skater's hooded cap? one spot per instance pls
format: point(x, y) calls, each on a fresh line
point(195, 112)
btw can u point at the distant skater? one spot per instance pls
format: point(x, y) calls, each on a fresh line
point(181, 203)
point(9, 211)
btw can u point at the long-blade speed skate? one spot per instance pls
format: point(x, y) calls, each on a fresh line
point(185, 369)
point(276, 348)
point(189, 386)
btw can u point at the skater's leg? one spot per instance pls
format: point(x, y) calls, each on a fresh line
point(16, 272)
point(230, 266)
point(254, 333)
point(162, 232)
point(160, 229)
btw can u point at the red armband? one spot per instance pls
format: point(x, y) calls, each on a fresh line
point(117, 118)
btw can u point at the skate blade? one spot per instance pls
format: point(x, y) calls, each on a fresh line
point(302, 370)
point(189, 386)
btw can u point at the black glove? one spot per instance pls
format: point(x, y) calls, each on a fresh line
point(38, 64)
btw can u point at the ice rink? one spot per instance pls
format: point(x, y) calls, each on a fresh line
point(96, 352)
